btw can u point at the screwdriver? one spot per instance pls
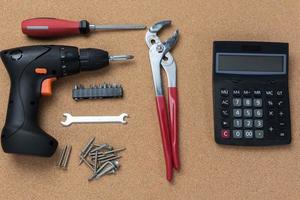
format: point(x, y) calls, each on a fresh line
point(52, 27)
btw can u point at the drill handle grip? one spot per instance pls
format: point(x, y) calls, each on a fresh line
point(21, 133)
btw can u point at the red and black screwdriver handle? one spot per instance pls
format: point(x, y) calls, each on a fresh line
point(32, 70)
point(52, 27)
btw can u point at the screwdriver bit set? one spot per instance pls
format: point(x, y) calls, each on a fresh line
point(101, 159)
point(97, 91)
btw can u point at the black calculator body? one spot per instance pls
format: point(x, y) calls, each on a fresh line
point(250, 91)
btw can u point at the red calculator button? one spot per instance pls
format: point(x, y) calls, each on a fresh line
point(225, 133)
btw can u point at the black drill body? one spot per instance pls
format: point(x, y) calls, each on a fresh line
point(21, 133)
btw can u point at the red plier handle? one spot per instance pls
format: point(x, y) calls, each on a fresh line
point(165, 134)
point(173, 115)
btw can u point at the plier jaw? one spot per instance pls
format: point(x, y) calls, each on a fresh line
point(160, 56)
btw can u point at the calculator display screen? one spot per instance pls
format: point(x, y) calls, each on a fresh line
point(243, 63)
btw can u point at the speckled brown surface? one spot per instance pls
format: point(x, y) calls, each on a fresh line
point(209, 171)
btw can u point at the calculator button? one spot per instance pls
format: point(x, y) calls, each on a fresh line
point(269, 93)
point(258, 113)
point(237, 133)
point(259, 134)
point(281, 114)
point(257, 93)
point(225, 113)
point(225, 133)
point(282, 134)
point(279, 93)
point(236, 93)
point(270, 103)
point(271, 129)
point(247, 102)
point(280, 103)
point(258, 123)
point(237, 123)
point(248, 133)
point(237, 102)
point(248, 123)
point(246, 93)
point(247, 113)
point(225, 124)
point(237, 112)
point(271, 113)
point(224, 92)
point(257, 103)
point(225, 102)
point(282, 125)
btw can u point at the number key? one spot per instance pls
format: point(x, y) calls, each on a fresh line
point(258, 113)
point(248, 133)
point(237, 112)
point(247, 113)
point(248, 123)
point(237, 123)
point(257, 103)
point(258, 123)
point(247, 102)
point(237, 133)
point(237, 102)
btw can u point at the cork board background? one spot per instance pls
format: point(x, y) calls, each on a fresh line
point(209, 171)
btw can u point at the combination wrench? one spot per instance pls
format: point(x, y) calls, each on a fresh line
point(69, 119)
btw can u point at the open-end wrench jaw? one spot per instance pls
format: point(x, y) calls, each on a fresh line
point(124, 116)
point(68, 120)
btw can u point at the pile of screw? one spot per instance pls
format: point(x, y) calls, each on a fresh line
point(102, 159)
point(64, 157)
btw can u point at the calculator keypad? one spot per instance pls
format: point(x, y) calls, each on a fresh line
point(252, 114)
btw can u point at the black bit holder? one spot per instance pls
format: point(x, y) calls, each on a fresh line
point(97, 92)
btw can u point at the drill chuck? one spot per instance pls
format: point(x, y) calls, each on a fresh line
point(92, 59)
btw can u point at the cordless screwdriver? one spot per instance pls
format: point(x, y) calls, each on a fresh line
point(32, 69)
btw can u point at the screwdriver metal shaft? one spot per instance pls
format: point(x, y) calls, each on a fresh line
point(94, 27)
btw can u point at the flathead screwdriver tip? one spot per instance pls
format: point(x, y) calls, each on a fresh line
point(120, 57)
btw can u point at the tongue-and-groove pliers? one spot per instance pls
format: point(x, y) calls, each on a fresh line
point(160, 56)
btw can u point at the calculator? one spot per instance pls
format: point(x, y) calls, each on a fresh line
point(250, 93)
